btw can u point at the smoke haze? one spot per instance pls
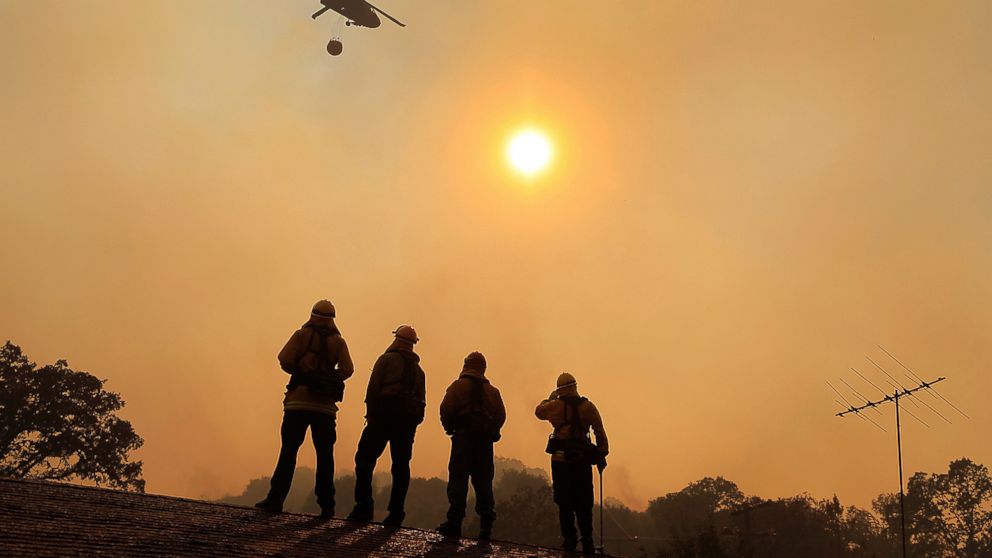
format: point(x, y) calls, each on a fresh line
point(746, 200)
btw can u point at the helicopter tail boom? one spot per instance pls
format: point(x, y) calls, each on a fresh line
point(387, 16)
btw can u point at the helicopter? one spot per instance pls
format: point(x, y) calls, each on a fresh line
point(356, 12)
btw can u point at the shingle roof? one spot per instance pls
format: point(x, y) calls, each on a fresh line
point(45, 519)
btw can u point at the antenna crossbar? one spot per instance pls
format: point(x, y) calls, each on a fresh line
point(902, 391)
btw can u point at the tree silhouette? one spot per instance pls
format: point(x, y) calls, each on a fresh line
point(947, 514)
point(59, 424)
point(526, 509)
point(694, 518)
point(804, 526)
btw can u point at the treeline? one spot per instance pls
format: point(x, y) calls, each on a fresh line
point(948, 515)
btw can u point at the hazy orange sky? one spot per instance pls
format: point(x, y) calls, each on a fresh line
point(746, 199)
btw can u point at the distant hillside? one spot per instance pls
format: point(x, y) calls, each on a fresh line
point(427, 500)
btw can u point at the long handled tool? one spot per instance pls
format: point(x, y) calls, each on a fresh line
point(602, 535)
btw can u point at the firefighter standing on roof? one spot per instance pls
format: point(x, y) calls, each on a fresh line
point(395, 402)
point(472, 413)
point(572, 456)
point(317, 359)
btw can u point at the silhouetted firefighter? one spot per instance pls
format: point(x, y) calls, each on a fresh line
point(472, 413)
point(394, 406)
point(572, 457)
point(317, 359)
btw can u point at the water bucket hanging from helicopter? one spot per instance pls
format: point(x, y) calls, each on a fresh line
point(335, 46)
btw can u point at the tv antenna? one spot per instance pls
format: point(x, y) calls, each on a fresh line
point(855, 406)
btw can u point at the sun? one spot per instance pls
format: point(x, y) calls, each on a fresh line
point(529, 152)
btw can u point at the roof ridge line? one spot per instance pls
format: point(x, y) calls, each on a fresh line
point(132, 493)
point(74, 486)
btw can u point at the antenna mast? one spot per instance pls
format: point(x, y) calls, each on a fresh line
point(899, 391)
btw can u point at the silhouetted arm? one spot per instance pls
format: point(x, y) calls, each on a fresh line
point(450, 405)
point(499, 410)
point(420, 381)
point(421, 385)
point(545, 409)
point(379, 371)
point(345, 366)
point(291, 352)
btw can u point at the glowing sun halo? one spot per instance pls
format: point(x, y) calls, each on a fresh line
point(529, 152)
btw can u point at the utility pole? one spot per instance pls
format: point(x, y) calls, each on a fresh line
point(899, 391)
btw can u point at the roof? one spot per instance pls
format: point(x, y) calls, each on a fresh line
point(46, 518)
